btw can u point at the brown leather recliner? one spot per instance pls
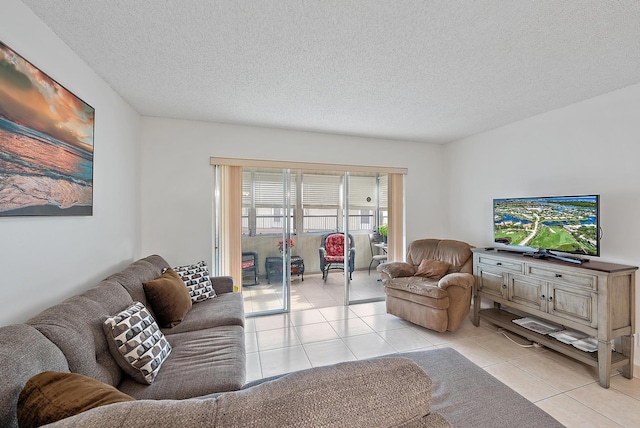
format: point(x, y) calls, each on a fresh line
point(426, 291)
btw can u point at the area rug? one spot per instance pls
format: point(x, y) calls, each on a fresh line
point(468, 396)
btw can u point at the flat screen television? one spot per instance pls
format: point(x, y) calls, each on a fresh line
point(566, 224)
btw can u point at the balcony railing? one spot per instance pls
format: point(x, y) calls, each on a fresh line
point(311, 223)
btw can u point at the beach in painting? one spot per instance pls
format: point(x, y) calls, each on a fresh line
point(46, 143)
point(40, 175)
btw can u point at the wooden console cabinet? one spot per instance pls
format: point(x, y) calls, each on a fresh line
point(595, 298)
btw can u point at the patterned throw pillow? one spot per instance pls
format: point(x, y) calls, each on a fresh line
point(196, 278)
point(136, 343)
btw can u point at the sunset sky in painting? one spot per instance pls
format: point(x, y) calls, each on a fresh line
point(32, 99)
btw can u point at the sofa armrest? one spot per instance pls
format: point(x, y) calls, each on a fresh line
point(381, 392)
point(464, 280)
point(222, 284)
point(395, 269)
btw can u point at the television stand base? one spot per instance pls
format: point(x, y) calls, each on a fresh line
point(546, 254)
point(594, 298)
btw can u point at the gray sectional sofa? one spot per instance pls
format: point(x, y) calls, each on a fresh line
point(207, 359)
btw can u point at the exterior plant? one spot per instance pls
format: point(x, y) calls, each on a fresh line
point(282, 246)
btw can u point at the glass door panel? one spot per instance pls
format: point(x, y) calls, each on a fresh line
point(362, 208)
point(267, 221)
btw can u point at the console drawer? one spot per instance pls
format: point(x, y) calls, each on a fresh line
point(589, 281)
point(502, 264)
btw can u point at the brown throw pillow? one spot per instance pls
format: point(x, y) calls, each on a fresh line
point(434, 269)
point(51, 396)
point(169, 298)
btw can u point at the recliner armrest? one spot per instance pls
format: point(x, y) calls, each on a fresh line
point(464, 280)
point(396, 269)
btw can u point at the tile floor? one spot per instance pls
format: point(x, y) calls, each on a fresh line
point(313, 292)
point(564, 388)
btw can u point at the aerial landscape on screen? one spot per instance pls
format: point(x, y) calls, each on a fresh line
point(46, 143)
point(567, 224)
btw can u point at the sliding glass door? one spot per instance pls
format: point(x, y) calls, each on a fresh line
point(364, 213)
point(270, 223)
point(268, 240)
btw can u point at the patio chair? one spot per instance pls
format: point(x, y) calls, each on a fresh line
point(332, 253)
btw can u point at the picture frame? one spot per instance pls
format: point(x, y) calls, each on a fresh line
point(46, 143)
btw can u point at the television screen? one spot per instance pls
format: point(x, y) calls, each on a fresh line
point(568, 224)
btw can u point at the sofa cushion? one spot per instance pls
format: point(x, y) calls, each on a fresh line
point(226, 309)
point(434, 269)
point(24, 353)
point(75, 326)
point(214, 360)
point(196, 278)
point(51, 396)
point(168, 297)
point(136, 343)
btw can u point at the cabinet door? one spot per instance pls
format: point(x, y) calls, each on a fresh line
point(573, 303)
point(491, 284)
point(528, 292)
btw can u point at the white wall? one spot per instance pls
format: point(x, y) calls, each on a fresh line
point(177, 180)
point(587, 148)
point(44, 259)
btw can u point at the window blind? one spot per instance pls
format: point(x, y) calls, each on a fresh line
point(320, 191)
point(362, 192)
point(267, 189)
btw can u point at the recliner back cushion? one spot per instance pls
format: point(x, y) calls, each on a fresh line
point(75, 326)
point(456, 253)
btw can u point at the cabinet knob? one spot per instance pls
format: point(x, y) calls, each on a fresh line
point(558, 275)
point(498, 264)
point(550, 298)
point(543, 297)
point(504, 286)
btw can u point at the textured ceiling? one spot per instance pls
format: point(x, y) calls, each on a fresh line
point(429, 71)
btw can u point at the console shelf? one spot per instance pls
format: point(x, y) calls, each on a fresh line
point(505, 319)
point(595, 298)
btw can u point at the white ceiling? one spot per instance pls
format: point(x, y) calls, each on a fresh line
point(418, 70)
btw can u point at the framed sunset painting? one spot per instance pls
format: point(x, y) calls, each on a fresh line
point(46, 143)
